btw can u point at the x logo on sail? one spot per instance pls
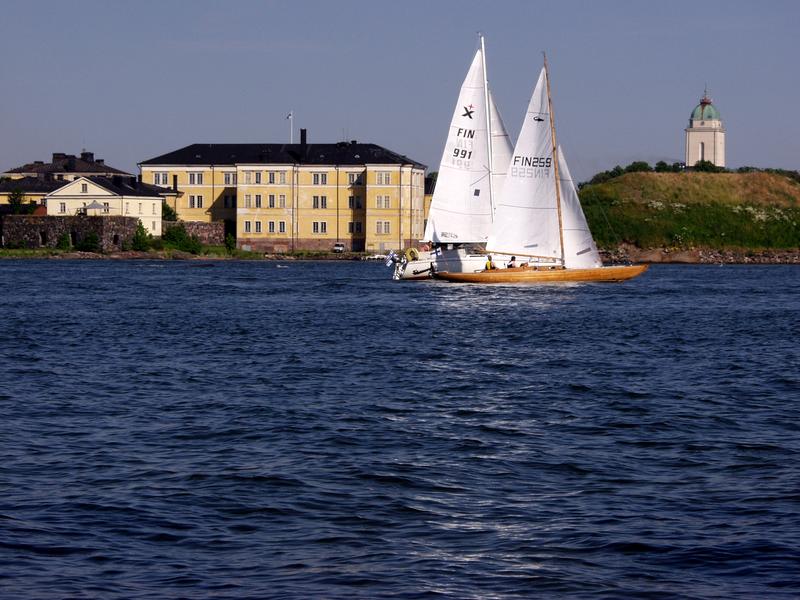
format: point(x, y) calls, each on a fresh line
point(468, 110)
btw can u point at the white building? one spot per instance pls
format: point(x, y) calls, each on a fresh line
point(705, 136)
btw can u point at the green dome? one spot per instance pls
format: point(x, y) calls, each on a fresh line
point(705, 111)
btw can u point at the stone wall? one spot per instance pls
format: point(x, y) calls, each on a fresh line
point(284, 245)
point(25, 231)
point(209, 234)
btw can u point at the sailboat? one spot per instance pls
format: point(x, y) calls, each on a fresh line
point(471, 172)
point(539, 216)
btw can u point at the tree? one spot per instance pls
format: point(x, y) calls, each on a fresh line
point(15, 199)
point(706, 166)
point(141, 239)
point(168, 213)
point(638, 166)
point(230, 243)
point(662, 167)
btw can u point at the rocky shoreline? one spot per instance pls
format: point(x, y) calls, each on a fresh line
point(711, 256)
point(622, 254)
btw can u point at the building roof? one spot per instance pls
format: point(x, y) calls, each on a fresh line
point(705, 111)
point(341, 153)
point(68, 163)
point(30, 185)
point(116, 184)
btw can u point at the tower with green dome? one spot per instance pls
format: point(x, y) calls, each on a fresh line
point(705, 136)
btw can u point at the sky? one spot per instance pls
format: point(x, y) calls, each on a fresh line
point(133, 80)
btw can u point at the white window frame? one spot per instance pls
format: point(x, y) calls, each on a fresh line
point(247, 226)
point(271, 203)
point(271, 227)
point(281, 200)
point(258, 226)
point(258, 201)
point(281, 226)
point(319, 178)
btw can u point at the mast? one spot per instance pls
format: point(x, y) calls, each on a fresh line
point(488, 126)
point(555, 161)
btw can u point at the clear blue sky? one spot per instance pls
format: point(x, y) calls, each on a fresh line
point(133, 80)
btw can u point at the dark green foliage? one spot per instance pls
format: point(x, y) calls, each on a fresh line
point(176, 237)
point(230, 243)
point(662, 167)
point(15, 199)
point(638, 166)
point(141, 239)
point(706, 166)
point(89, 243)
point(63, 242)
point(168, 213)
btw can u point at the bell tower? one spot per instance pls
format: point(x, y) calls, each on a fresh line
point(705, 136)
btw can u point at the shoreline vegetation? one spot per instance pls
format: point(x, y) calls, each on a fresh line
point(636, 214)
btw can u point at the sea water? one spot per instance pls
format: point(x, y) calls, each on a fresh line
point(314, 429)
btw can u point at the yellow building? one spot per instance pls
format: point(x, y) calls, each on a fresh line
point(289, 197)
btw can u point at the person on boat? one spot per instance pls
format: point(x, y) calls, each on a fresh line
point(512, 264)
point(490, 263)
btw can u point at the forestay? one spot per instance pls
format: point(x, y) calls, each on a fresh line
point(526, 217)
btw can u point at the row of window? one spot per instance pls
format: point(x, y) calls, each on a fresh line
point(248, 225)
point(249, 198)
point(318, 227)
point(273, 177)
point(62, 208)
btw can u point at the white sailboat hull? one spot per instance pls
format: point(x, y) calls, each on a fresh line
point(456, 260)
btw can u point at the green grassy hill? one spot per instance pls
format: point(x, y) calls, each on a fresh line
point(685, 210)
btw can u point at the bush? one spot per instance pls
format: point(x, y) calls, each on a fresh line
point(230, 243)
point(141, 239)
point(168, 213)
point(177, 238)
point(90, 243)
point(63, 242)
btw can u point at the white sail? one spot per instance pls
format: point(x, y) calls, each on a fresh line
point(580, 251)
point(501, 149)
point(526, 216)
point(461, 207)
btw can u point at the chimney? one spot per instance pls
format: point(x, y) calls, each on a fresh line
point(58, 156)
point(100, 161)
point(174, 183)
point(117, 180)
point(87, 156)
point(134, 183)
point(353, 142)
point(303, 138)
point(139, 178)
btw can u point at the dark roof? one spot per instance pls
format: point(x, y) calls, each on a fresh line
point(69, 163)
point(117, 184)
point(129, 186)
point(30, 185)
point(341, 153)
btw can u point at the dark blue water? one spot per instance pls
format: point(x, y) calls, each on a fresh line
point(229, 430)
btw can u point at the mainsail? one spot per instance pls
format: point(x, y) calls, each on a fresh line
point(461, 208)
point(526, 218)
point(580, 251)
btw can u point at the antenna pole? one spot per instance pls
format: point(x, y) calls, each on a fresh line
point(555, 160)
point(290, 116)
point(488, 126)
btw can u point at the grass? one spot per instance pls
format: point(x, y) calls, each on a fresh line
point(681, 210)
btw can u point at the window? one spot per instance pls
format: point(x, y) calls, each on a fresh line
point(354, 178)
point(84, 188)
point(320, 178)
point(258, 226)
point(105, 207)
point(351, 202)
point(272, 200)
point(358, 226)
point(282, 200)
point(154, 208)
point(127, 207)
point(351, 227)
point(320, 202)
point(160, 178)
point(247, 226)
point(248, 177)
point(382, 227)
point(382, 202)
point(154, 225)
point(272, 226)
point(247, 200)
point(258, 200)
point(384, 177)
point(195, 179)
point(320, 227)
point(258, 176)
point(230, 178)
point(271, 177)
point(282, 227)
point(140, 208)
point(63, 207)
point(191, 201)
point(282, 177)
point(199, 202)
